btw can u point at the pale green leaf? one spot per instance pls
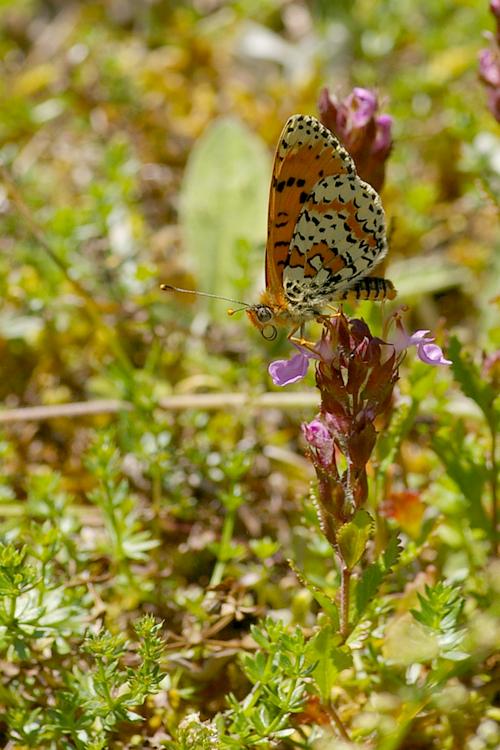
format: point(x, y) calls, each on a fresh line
point(329, 659)
point(353, 536)
point(223, 202)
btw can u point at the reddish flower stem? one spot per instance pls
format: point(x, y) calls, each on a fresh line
point(344, 600)
point(332, 713)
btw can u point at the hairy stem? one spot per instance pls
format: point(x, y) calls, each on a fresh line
point(344, 600)
point(332, 713)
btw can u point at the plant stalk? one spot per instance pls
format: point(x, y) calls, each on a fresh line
point(332, 713)
point(344, 600)
point(494, 492)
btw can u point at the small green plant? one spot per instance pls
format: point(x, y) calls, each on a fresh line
point(126, 540)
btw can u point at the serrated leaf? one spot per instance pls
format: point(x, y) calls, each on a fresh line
point(353, 536)
point(367, 586)
point(390, 440)
point(369, 582)
point(392, 552)
point(325, 602)
point(463, 468)
point(223, 201)
point(471, 382)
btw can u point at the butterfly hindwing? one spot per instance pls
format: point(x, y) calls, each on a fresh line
point(307, 153)
point(339, 237)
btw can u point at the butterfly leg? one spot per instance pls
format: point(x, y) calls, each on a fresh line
point(335, 311)
point(301, 341)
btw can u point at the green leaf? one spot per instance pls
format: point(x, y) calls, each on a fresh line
point(324, 600)
point(367, 586)
point(329, 659)
point(390, 440)
point(465, 468)
point(353, 536)
point(407, 642)
point(223, 201)
point(412, 278)
point(391, 553)
point(473, 385)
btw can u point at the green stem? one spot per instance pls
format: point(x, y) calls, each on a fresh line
point(101, 670)
point(156, 489)
point(494, 491)
point(226, 536)
point(284, 709)
point(12, 609)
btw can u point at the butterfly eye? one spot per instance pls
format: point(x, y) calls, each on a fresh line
point(264, 314)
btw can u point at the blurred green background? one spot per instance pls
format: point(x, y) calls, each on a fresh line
point(103, 106)
point(136, 141)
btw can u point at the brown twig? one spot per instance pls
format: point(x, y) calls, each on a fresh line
point(176, 402)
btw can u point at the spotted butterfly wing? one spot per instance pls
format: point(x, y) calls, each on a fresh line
point(326, 229)
point(306, 153)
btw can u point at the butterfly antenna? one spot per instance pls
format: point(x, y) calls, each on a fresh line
point(170, 288)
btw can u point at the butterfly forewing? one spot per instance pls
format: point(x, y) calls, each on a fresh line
point(307, 152)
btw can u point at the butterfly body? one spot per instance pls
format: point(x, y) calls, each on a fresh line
point(326, 230)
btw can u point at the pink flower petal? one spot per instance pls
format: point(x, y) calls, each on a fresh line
point(402, 339)
point(489, 67)
point(287, 371)
point(319, 437)
point(316, 433)
point(427, 351)
point(432, 354)
point(363, 104)
point(383, 137)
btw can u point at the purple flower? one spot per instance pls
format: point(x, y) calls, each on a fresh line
point(318, 436)
point(366, 134)
point(489, 67)
point(494, 102)
point(361, 105)
point(316, 433)
point(383, 135)
point(495, 8)
point(432, 354)
point(286, 371)
point(427, 351)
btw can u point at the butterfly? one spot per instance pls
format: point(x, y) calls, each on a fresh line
point(326, 231)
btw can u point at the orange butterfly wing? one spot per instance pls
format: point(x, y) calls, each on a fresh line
point(306, 153)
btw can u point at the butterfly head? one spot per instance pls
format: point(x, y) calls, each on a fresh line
point(263, 318)
point(262, 315)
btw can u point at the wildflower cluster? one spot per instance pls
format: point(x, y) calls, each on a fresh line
point(355, 374)
point(365, 133)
